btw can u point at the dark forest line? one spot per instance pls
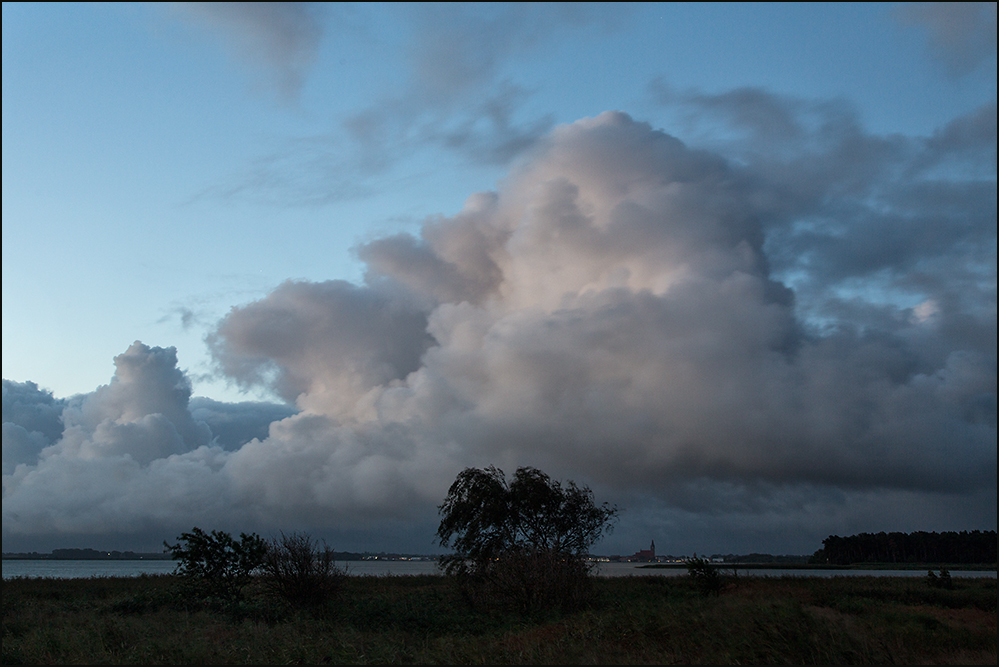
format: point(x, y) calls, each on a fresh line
point(965, 547)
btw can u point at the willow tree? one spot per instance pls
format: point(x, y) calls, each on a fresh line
point(527, 539)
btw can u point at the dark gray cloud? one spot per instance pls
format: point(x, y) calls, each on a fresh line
point(235, 424)
point(33, 409)
point(745, 341)
point(845, 211)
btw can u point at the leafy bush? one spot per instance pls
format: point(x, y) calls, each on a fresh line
point(216, 565)
point(525, 541)
point(704, 575)
point(533, 579)
point(943, 581)
point(301, 571)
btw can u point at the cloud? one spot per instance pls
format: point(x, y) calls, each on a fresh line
point(33, 409)
point(911, 217)
point(281, 38)
point(457, 95)
point(962, 35)
point(187, 317)
point(234, 424)
point(142, 414)
point(451, 91)
point(751, 338)
point(330, 342)
point(615, 305)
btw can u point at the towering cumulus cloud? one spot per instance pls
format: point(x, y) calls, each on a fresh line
point(620, 312)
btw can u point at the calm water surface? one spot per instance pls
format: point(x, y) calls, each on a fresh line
point(75, 569)
point(72, 569)
point(632, 569)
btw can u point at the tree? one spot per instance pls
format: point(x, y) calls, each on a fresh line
point(215, 564)
point(526, 539)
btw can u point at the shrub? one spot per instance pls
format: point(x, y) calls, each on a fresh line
point(943, 581)
point(215, 564)
point(302, 571)
point(705, 576)
point(534, 579)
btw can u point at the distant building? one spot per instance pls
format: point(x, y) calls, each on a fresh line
point(645, 555)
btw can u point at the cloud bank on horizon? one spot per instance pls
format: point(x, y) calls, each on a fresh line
point(786, 329)
point(610, 314)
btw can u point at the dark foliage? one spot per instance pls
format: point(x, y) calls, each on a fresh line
point(976, 547)
point(214, 564)
point(704, 575)
point(525, 541)
point(302, 571)
point(943, 581)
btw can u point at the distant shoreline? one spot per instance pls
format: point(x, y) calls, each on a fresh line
point(91, 554)
point(130, 556)
point(976, 567)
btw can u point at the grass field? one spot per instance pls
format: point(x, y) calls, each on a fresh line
point(421, 619)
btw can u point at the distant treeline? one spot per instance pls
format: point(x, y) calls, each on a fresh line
point(94, 554)
point(765, 558)
point(976, 546)
point(87, 554)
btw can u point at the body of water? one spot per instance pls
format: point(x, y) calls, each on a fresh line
point(636, 569)
point(74, 569)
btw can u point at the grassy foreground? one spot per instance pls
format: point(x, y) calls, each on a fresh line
point(420, 619)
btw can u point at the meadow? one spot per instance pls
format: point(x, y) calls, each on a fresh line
point(423, 619)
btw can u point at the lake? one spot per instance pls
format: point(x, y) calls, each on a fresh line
point(74, 569)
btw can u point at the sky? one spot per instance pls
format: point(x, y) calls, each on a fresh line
point(292, 267)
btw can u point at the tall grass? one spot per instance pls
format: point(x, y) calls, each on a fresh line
point(422, 619)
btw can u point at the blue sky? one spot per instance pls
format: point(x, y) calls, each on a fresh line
point(167, 168)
